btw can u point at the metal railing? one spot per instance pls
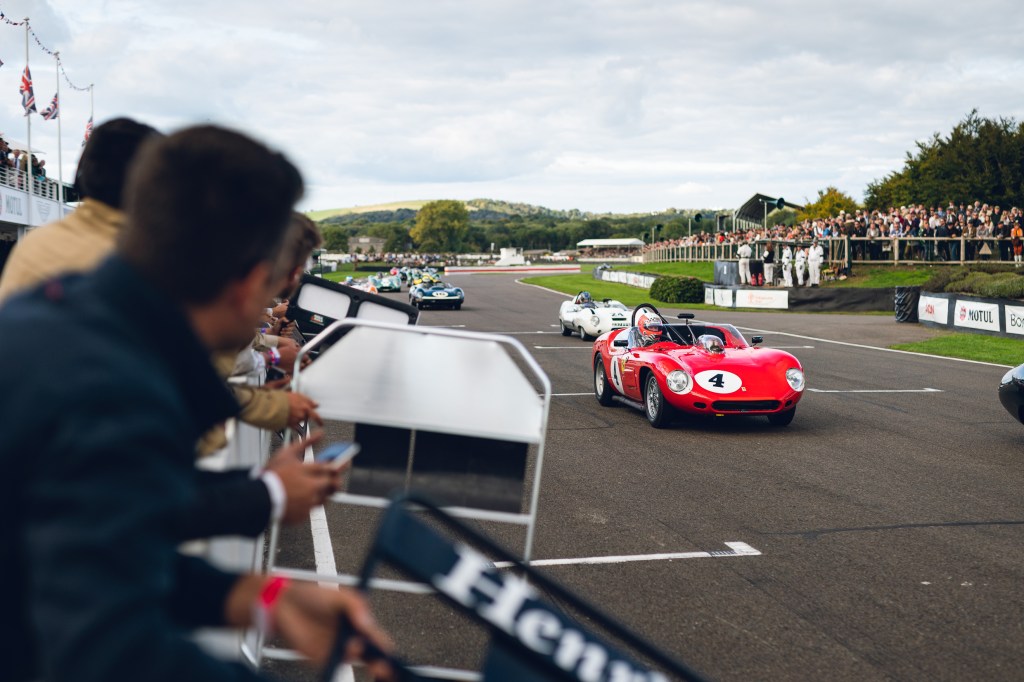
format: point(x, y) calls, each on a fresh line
point(17, 179)
point(857, 250)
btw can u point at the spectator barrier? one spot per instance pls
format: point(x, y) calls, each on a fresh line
point(482, 458)
point(853, 250)
point(957, 312)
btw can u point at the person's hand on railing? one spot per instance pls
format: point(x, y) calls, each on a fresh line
point(302, 409)
point(307, 617)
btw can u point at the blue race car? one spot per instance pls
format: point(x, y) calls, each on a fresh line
point(436, 294)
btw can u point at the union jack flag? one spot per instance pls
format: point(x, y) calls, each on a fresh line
point(28, 98)
point(88, 131)
point(53, 111)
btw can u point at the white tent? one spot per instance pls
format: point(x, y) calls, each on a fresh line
point(610, 244)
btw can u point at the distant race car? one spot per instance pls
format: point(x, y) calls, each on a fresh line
point(385, 282)
point(693, 367)
point(436, 294)
point(589, 318)
point(1011, 392)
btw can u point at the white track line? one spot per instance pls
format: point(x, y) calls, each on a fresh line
point(553, 395)
point(786, 347)
point(735, 549)
point(537, 286)
point(323, 553)
point(861, 345)
point(881, 390)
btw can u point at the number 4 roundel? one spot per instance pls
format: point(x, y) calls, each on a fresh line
point(718, 381)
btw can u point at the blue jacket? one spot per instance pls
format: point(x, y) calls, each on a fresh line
point(100, 413)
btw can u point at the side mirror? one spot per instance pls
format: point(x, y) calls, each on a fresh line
point(756, 340)
point(685, 316)
point(620, 343)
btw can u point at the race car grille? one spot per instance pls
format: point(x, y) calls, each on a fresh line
point(744, 405)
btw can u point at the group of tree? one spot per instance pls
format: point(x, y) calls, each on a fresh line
point(981, 159)
point(456, 226)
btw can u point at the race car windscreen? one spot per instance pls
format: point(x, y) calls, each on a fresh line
point(687, 334)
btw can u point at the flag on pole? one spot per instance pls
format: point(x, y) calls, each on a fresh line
point(1, 62)
point(28, 98)
point(88, 131)
point(53, 111)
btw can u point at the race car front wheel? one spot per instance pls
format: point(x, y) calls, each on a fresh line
point(782, 418)
point(565, 330)
point(659, 413)
point(601, 388)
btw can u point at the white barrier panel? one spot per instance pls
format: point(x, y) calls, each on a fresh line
point(753, 298)
point(14, 208)
point(1014, 319)
point(633, 279)
point(709, 296)
point(525, 269)
point(933, 309)
point(976, 315)
point(723, 298)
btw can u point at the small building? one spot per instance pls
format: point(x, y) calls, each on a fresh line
point(624, 250)
point(367, 244)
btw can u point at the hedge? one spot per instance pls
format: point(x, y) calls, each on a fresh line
point(990, 280)
point(673, 289)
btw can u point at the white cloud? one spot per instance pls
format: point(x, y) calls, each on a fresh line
point(595, 104)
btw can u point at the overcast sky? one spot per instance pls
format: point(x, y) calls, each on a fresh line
point(601, 105)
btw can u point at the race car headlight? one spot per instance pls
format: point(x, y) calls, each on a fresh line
point(795, 378)
point(595, 320)
point(679, 381)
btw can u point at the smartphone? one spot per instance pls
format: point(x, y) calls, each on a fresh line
point(337, 454)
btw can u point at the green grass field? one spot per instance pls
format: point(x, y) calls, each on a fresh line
point(865, 277)
point(997, 349)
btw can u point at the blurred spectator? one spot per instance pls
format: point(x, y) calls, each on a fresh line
point(102, 421)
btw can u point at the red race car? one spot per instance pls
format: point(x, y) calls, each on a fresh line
point(693, 367)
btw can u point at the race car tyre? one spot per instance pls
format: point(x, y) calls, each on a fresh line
point(583, 334)
point(658, 412)
point(457, 306)
point(565, 330)
point(782, 418)
point(602, 389)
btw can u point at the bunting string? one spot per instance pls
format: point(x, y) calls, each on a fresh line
point(3, 17)
point(44, 48)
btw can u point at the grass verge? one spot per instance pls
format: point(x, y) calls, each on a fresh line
point(997, 349)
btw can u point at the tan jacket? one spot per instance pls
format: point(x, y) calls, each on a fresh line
point(75, 244)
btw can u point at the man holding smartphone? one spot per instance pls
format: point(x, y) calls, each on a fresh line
point(100, 433)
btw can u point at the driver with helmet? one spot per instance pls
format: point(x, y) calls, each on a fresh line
point(651, 329)
point(585, 300)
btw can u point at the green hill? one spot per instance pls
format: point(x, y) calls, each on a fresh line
point(374, 208)
point(483, 208)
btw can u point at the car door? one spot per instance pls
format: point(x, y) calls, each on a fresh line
point(630, 363)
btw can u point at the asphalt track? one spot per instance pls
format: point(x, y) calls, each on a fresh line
point(888, 522)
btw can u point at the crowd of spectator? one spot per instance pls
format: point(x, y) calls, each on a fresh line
point(973, 231)
point(15, 160)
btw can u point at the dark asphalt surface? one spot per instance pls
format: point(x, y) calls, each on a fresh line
point(890, 525)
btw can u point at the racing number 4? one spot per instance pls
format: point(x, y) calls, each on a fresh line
point(718, 380)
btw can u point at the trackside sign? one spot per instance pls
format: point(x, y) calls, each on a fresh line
point(933, 309)
point(510, 604)
point(976, 315)
point(1014, 319)
point(507, 603)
